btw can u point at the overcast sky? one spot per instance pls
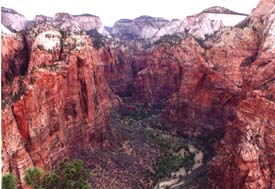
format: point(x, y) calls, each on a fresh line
point(112, 10)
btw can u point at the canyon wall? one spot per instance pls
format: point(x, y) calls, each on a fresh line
point(216, 78)
point(223, 83)
point(246, 153)
point(60, 105)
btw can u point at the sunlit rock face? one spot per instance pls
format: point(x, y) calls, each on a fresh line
point(59, 106)
point(143, 27)
point(204, 24)
point(207, 23)
point(215, 75)
point(216, 84)
point(201, 83)
point(84, 22)
point(200, 25)
point(12, 19)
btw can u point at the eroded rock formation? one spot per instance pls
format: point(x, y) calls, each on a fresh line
point(13, 20)
point(200, 25)
point(246, 153)
point(212, 79)
point(60, 106)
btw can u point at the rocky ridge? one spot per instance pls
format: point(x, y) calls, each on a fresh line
point(59, 105)
point(230, 73)
point(215, 83)
point(200, 26)
point(13, 20)
point(247, 150)
point(16, 22)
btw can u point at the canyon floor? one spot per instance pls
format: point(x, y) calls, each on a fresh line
point(147, 103)
point(145, 155)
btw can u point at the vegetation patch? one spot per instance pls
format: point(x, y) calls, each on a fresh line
point(8, 181)
point(171, 163)
point(175, 151)
point(167, 165)
point(172, 40)
point(99, 40)
point(21, 90)
point(68, 175)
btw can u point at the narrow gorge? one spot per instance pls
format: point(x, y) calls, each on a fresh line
point(148, 103)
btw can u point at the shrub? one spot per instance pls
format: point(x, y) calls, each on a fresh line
point(98, 39)
point(188, 161)
point(164, 144)
point(34, 177)
point(172, 163)
point(167, 165)
point(68, 175)
point(8, 181)
point(51, 181)
point(172, 40)
point(73, 175)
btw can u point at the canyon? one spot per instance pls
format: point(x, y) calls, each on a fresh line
point(129, 99)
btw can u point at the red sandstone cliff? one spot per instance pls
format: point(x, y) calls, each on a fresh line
point(199, 80)
point(246, 153)
point(225, 82)
point(58, 93)
point(60, 106)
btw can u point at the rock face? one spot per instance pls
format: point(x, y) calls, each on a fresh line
point(118, 69)
point(200, 25)
point(12, 19)
point(215, 85)
point(200, 82)
point(60, 106)
point(143, 27)
point(208, 92)
point(84, 22)
point(246, 153)
point(213, 80)
point(209, 21)
point(14, 55)
point(121, 67)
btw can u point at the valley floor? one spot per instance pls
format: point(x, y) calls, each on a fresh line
point(147, 156)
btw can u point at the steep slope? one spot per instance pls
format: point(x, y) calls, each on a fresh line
point(215, 85)
point(121, 66)
point(211, 83)
point(13, 20)
point(60, 107)
point(14, 56)
point(246, 153)
point(209, 88)
point(204, 24)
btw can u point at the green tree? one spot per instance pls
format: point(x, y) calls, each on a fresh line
point(73, 175)
point(34, 177)
point(68, 175)
point(51, 181)
point(8, 181)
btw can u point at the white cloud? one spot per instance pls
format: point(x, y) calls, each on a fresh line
point(110, 11)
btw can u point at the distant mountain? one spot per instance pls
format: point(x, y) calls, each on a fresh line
point(199, 25)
